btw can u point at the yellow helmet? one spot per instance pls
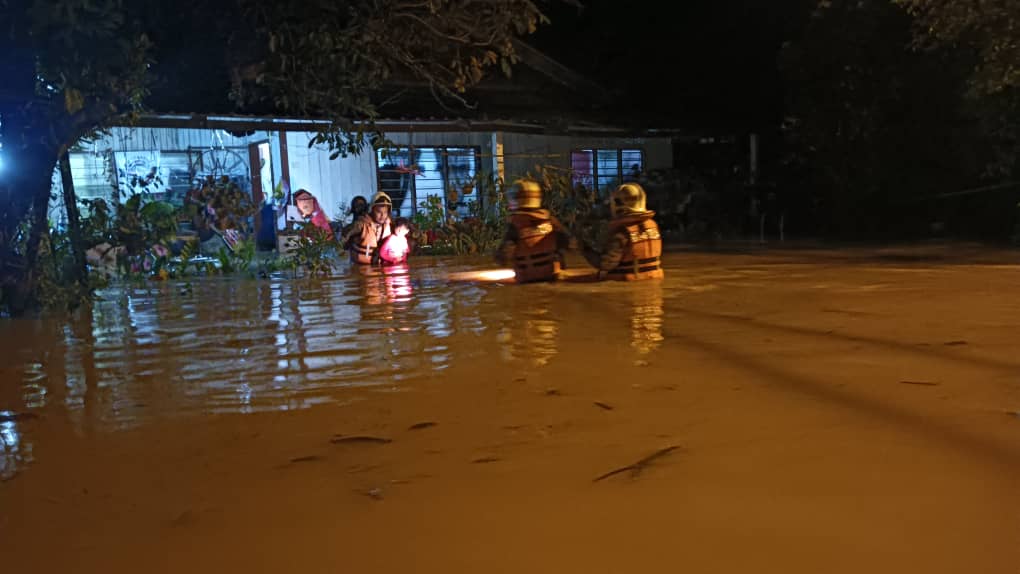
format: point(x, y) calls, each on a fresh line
point(527, 194)
point(628, 199)
point(381, 198)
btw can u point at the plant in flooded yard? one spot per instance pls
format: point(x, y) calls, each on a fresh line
point(313, 250)
point(482, 227)
point(237, 260)
point(56, 288)
point(430, 214)
point(142, 225)
point(576, 206)
point(189, 249)
point(133, 235)
point(221, 203)
point(447, 231)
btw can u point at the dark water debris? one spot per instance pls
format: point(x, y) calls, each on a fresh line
point(639, 466)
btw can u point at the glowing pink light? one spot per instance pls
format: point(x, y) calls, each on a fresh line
point(394, 250)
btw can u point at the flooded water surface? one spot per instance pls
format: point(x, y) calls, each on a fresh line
point(773, 412)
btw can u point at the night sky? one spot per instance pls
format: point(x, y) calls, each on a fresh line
point(709, 64)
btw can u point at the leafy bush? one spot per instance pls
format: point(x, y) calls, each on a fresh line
point(447, 231)
point(313, 250)
point(223, 204)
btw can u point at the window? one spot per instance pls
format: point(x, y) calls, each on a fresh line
point(173, 167)
point(606, 168)
point(409, 174)
point(92, 173)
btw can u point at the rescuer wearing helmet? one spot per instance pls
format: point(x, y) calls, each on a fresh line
point(535, 240)
point(368, 233)
point(634, 247)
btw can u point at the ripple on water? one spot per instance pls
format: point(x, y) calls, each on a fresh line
point(256, 345)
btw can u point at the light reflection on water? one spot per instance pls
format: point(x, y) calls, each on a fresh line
point(14, 452)
point(241, 346)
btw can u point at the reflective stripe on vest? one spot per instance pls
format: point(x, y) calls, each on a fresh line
point(642, 255)
point(361, 253)
point(535, 256)
point(371, 236)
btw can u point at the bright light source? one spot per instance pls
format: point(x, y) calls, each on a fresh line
point(496, 275)
point(395, 249)
point(491, 275)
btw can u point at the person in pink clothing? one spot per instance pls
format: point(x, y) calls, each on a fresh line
point(395, 248)
point(310, 210)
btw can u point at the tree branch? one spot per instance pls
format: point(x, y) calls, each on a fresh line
point(459, 39)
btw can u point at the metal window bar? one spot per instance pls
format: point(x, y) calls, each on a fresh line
point(400, 184)
point(604, 174)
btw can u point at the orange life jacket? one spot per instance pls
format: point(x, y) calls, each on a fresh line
point(535, 257)
point(364, 248)
point(643, 251)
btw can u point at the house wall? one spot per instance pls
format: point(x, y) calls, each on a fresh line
point(522, 152)
point(334, 182)
point(95, 164)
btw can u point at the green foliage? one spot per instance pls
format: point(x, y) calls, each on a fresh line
point(230, 204)
point(136, 224)
point(481, 230)
point(574, 205)
point(224, 256)
point(244, 253)
point(89, 53)
point(440, 227)
point(990, 27)
point(188, 252)
point(97, 222)
point(57, 290)
point(431, 214)
point(448, 45)
point(313, 250)
point(140, 225)
point(237, 260)
point(987, 36)
point(278, 192)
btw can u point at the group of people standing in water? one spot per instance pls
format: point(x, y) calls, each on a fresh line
point(372, 237)
point(535, 243)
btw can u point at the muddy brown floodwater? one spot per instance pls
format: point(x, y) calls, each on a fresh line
point(782, 411)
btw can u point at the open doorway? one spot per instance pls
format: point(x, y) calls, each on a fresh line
point(261, 162)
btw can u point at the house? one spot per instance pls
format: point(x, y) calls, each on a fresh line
point(548, 115)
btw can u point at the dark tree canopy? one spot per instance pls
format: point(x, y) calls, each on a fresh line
point(988, 30)
point(322, 58)
point(991, 27)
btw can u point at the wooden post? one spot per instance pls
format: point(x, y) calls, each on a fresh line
point(284, 160)
point(414, 180)
point(73, 217)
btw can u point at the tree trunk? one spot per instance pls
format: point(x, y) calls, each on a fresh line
point(73, 219)
point(29, 190)
point(40, 225)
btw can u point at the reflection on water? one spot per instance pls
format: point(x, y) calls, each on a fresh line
point(646, 317)
point(240, 346)
point(14, 452)
point(390, 285)
point(529, 333)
